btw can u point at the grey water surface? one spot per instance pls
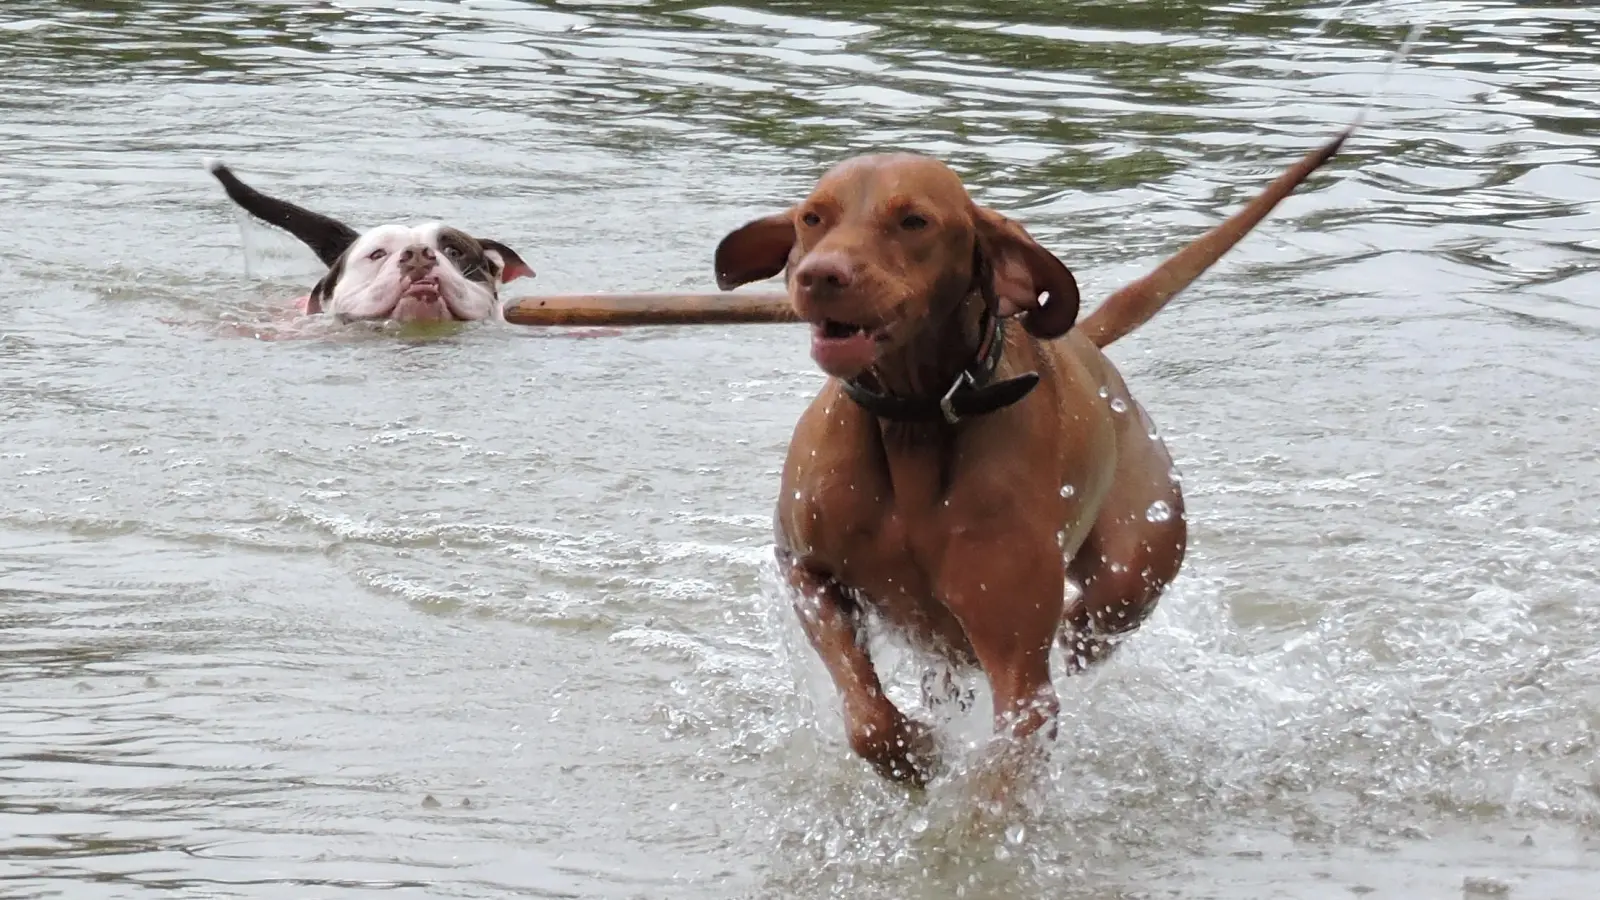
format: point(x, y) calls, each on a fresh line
point(489, 613)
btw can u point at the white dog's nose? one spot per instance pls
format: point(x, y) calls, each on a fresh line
point(418, 259)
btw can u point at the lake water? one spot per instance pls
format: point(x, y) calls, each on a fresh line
point(490, 613)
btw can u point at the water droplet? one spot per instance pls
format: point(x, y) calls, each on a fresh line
point(1104, 392)
point(919, 825)
point(1119, 405)
point(797, 495)
point(1016, 834)
point(1061, 539)
point(1159, 511)
point(1068, 490)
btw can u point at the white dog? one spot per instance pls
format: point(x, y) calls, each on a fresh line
point(423, 273)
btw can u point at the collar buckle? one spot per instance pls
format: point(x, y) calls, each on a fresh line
point(947, 402)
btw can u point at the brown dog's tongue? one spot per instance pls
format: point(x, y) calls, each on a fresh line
point(1132, 306)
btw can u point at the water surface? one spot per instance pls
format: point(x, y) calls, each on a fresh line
point(489, 614)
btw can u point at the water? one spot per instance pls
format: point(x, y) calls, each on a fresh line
point(489, 614)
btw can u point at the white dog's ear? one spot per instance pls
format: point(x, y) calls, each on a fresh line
point(323, 291)
point(507, 263)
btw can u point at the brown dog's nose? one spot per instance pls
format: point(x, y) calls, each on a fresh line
point(418, 260)
point(825, 273)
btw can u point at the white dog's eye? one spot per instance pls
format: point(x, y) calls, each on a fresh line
point(378, 254)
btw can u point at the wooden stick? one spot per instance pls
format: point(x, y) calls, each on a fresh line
point(711, 308)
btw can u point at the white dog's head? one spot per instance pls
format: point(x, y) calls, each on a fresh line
point(430, 272)
point(427, 273)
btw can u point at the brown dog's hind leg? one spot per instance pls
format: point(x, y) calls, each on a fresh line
point(900, 748)
point(1132, 553)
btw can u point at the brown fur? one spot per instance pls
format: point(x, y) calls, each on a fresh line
point(962, 536)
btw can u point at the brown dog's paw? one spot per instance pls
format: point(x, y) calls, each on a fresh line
point(1005, 775)
point(922, 754)
point(900, 748)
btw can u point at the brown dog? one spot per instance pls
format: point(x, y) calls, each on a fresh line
point(953, 471)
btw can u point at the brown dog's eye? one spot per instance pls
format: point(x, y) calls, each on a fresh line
point(811, 219)
point(913, 222)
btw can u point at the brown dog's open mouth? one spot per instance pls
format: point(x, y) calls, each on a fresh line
point(834, 330)
point(844, 349)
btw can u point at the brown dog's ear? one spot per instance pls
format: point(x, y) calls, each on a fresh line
point(510, 264)
point(756, 251)
point(1019, 271)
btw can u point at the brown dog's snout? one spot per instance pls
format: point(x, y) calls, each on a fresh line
point(825, 273)
point(418, 260)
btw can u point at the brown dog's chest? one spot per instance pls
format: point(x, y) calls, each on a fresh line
point(892, 562)
point(913, 524)
point(892, 555)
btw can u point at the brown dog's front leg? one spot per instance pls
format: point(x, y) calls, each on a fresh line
point(898, 747)
point(1008, 599)
point(1008, 596)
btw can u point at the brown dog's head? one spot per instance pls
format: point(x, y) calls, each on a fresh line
point(886, 245)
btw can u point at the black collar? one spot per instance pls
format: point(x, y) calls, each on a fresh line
point(969, 395)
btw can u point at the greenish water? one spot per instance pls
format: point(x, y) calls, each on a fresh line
point(489, 615)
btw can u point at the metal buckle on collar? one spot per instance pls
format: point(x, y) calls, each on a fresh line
point(946, 405)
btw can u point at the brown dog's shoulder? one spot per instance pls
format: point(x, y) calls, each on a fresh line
point(823, 478)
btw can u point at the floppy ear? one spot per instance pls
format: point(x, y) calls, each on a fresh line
point(758, 250)
point(327, 237)
point(1018, 271)
point(324, 288)
point(506, 259)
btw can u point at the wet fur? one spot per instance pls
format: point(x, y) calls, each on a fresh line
point(469, 270)
point(962, 537)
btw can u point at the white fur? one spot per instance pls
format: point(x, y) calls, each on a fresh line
point(375, 289)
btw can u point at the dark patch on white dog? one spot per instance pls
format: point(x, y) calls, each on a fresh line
point(426, 272)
